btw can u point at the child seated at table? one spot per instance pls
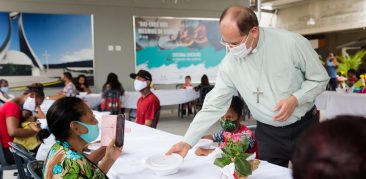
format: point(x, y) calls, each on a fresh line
point(231, 122)
point(28, 121)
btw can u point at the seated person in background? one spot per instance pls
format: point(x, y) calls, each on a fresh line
point(352, 77)
point(82, 84)
point(73, 124)
point(4, 89)
point(334, 149)
point(28, 121)
point(68, 90)
point(148, 105)
point(203, 88)
point(10, 117)
point(187, 83)
point(111, 92)
point(231, 122)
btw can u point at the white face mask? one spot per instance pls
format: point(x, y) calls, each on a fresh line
point(140, 85)
point(241, 50)
point(4, 89)
point(30, 104)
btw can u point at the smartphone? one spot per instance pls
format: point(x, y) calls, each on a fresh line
point(120, 130)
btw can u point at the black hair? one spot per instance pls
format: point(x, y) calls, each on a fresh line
point(113, 82)
point(204, 80)
point(68, 75)
point(3, 81)
point(237, 104)
point(187, 77)
point(43, 134)
point(61, 113)
point(25, 115)
point(245, 18)
point(334, 149)
point(77, 84)
point(37, 89)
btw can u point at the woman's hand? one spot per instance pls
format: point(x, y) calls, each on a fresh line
point(112, 152)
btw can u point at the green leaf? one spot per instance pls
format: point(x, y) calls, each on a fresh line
point(222, 162)
point(348, 62)
point(243, 167)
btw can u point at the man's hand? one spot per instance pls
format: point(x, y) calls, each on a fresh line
point(180, 148)
point(285, 108)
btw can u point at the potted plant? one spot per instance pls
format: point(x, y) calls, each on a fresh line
point(348, 62)
point(233, 152)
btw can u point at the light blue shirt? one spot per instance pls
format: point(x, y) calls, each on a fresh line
point(283, 64)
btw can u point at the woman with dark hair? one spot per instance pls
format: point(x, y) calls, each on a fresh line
point(4, 88)
point(111, 92)
point(10, 117)
point(68, 90)
point(335, 149)
point(73, 124)
point(82, 84)
point(113, 83)
point(203, 88)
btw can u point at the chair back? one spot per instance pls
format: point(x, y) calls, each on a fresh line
point(20, 150)
point(156, 120)
point(112, 101)
point(4, 165)
point(21, 157)
point(35, 168)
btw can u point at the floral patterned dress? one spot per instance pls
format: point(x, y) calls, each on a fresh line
point(63, 162)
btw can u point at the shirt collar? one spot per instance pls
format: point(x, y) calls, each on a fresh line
point(260, 41)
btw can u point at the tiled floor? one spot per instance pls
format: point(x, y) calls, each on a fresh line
point(169, 122)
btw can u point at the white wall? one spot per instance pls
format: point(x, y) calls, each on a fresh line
point(113, 24)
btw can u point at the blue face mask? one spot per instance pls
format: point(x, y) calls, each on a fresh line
point(92, 134)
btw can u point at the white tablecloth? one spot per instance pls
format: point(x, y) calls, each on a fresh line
point(335, 103)
point(143, 141)
point(166, 97)
point(92, 100)
point(129, 100)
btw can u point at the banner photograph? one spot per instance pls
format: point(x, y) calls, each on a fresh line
point(172, 48)
point(40, 47)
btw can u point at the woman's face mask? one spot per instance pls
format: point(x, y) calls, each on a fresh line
point(4, 89)
point(227, 125)
point(30, 104)
point(92, 134)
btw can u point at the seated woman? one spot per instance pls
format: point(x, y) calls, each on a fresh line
point(230, 122)
point(4, 88)
point(10, 117)
point(111, 92)
point(73, 124)
point(204, 87)
point(82, 84)
point(334, 149)
point(187, 85)
point(68, 90)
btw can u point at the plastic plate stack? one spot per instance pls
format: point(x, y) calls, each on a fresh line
point(164, 164)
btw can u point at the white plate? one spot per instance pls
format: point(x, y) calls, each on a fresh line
point(204, 143)
point(164, 164)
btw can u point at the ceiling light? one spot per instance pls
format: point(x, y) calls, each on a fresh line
point(311, 21)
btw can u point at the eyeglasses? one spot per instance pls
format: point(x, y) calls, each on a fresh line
point(231, 44)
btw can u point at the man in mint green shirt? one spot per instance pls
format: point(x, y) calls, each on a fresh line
point(278, 74)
